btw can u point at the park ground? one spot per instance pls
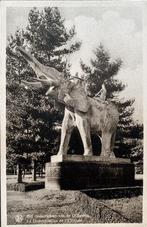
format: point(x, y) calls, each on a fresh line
point(52, 207)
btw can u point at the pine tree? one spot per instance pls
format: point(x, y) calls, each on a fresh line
point(32, 119)
point(137, 151)
point(103, 70)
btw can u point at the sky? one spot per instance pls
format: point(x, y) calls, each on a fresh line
point(119, 29)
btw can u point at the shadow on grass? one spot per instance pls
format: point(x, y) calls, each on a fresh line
point(114, 193)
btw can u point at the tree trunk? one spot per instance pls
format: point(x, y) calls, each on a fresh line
point(34, 170)
point(23, 173)
point(19, 173)
point(14, 170)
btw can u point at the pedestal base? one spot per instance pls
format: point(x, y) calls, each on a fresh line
point(76, 175)
point(91, 158)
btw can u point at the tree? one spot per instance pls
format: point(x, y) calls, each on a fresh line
point(101, 70)
point(32, 119)
point(137, 151)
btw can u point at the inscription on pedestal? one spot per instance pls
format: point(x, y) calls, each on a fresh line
point(53, 171)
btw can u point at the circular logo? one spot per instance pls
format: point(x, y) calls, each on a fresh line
point(18, 218)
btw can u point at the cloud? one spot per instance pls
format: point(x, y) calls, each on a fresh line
point(119, 36)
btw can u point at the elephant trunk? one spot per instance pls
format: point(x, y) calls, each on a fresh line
point(45, 74)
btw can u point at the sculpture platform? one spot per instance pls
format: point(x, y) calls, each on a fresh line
point(77, 172)
point(81, 158)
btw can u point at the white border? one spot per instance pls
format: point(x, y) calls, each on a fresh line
point(4, 5)
point(145, 108)
point(76, 3)
point(3, 114)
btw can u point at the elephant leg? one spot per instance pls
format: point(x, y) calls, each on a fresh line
point(67, 127)
point(84, 129)
point(112, 144)
point(106, 144)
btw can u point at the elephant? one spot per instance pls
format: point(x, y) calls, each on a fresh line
point(81, 111)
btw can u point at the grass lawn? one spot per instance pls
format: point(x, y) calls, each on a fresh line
point(49, 207)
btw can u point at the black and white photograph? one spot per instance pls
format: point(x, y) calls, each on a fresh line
point(73, 149)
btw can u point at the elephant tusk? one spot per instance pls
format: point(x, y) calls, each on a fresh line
point(50, 90)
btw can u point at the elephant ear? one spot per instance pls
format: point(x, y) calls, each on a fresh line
point(77, 99)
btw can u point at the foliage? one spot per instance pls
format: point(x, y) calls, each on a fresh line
point(102, 69)
point(32, 118)
point(137, 151)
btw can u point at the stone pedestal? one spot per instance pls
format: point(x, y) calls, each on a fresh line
point(77, 172)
